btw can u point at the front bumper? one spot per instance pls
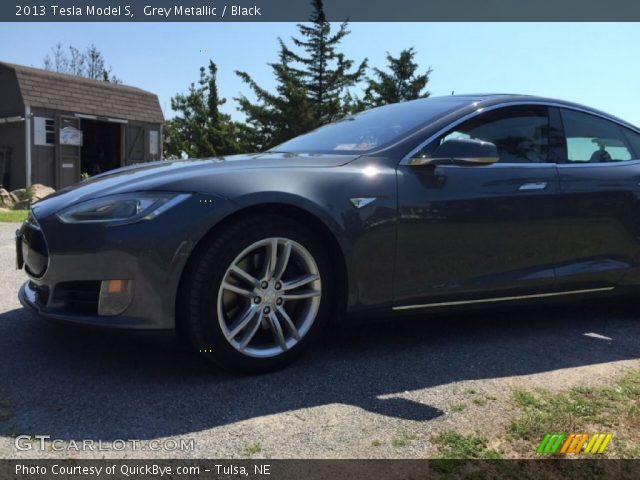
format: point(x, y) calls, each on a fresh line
point(69, 265)
point(28, 296)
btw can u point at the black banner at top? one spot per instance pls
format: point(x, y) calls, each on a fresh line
point(336, 10)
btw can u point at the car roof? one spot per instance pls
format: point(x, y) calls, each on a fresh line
point(489, 99)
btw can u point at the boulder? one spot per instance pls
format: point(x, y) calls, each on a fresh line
point(40, 191)
point(21, 194)
point(7, 199)
point(24, 197)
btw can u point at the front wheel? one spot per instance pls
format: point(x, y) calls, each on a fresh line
point(258, 294)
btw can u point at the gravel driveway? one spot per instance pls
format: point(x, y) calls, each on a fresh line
point(366, 391)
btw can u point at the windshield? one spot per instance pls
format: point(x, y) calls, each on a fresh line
point(371, 129)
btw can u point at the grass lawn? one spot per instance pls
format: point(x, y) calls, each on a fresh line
point(14, 216)
point(453, 445)
point(614, 409)
point(611, 409)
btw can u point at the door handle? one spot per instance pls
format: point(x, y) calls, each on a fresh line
point(533, 186)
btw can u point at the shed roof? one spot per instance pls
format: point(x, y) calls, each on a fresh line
point(70, 93)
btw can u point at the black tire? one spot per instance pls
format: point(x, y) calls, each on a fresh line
point(198, 296)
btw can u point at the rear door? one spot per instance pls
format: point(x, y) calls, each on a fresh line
point(473, 232)
point(600, 201)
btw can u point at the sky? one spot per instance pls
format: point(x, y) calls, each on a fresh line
point(590, 63)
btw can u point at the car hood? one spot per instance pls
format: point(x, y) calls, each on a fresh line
point(165, 175)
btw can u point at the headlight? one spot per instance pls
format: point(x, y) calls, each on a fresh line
point(122, 209)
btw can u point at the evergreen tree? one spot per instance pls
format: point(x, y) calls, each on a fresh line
point(312, 85)
point(399, 84)
point(352, 104)
point(325, 72)
point(278, 116)
point(199, 129)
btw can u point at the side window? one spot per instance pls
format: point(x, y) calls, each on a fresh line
point(594, 139)
point(634, 140)
point(521, 134)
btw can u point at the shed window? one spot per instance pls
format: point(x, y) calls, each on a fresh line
point(44, 131)
point(154, 143)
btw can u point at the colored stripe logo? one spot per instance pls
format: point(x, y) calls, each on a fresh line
point(573, 443)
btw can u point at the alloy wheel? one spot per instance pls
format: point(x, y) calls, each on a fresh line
point(269, 297)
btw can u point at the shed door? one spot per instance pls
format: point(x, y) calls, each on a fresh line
point(136, 145)
point(69, 146)
point(4, 168)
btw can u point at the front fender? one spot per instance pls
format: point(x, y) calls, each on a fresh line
point(365, 235)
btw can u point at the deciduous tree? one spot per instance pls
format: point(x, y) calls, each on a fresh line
point(89, 63)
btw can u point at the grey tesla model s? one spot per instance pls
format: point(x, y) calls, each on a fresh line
point(421, 206)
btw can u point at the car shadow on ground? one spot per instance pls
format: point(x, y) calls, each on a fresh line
point(76, 383)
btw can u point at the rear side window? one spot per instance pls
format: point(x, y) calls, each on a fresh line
point(593, 139)
point(521, 134)
point(634, 140)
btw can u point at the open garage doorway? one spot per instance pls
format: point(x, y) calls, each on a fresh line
point(101, 146)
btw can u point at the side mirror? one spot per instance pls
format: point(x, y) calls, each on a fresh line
point(460, 152)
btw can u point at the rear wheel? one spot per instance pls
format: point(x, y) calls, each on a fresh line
point(257, 294)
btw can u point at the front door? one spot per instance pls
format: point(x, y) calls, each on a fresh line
point(68, 147)
point(472, 232)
